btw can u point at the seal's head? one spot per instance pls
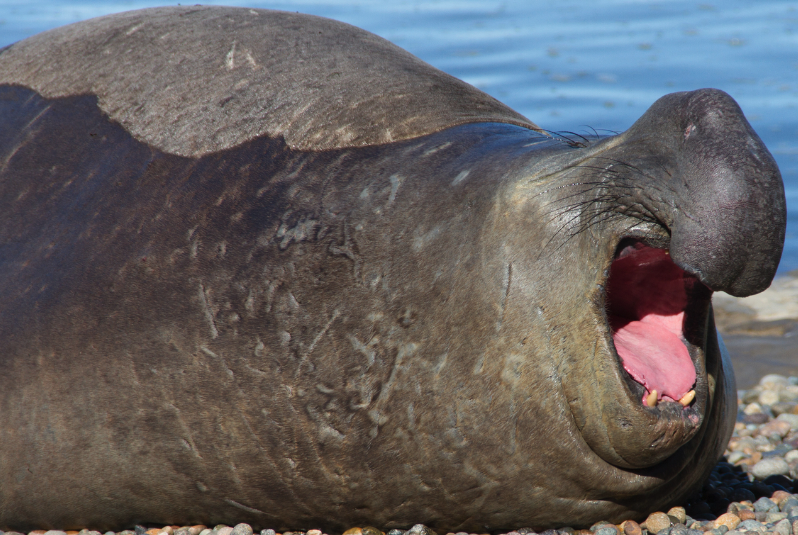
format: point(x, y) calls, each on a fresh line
point(649, 224)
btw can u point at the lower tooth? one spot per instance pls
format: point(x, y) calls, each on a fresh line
point(651, 399)
point(687, 398)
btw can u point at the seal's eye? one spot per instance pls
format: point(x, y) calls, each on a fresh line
point(647, 295)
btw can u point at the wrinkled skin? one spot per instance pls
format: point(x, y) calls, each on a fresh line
point(413, 331)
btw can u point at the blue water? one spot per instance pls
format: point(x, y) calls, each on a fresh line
point(566, 65)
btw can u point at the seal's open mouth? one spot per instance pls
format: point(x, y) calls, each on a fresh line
point(647, 298)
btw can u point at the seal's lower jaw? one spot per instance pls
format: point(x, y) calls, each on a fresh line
point(656, 316)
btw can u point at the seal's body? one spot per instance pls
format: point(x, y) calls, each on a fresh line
point(266, 267)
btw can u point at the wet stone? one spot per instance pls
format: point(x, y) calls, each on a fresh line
point(606, 530)
point(392, 532)
point(678, 529)
point(783, 527)
point(420, 529)
point(768, 397)
point(770, 467)
point(756, 418)
point(630, 527)
point(658, 521)
point(781, 497)
point(724, 529)
point(266, 532)
point(774, 517)
point(765, 505)
point(789, 417)
point(730, 520)
point(678, 513)
point(774, 381)
point(751, 525)
point(783, 407)
point(775, 428)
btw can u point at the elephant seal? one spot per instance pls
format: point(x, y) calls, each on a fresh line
point(267, 267)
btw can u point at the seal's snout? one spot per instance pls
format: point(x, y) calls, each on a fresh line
point(728, 212)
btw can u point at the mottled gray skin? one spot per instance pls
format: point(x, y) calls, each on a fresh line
point(375, 297)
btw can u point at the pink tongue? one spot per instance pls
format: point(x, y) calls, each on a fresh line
point(647, 295)
point(656, 357)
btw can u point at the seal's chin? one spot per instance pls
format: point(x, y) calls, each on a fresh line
point(653, 389)
point(647, 298)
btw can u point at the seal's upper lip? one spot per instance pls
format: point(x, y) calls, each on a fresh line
point(647, 295)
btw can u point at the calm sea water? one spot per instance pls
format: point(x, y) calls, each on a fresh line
point(566, 65)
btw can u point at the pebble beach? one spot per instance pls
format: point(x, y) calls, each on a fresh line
point(753, 490)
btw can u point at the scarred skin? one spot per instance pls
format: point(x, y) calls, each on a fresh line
point(324, 306)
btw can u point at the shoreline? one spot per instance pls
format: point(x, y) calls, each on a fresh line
point(761, 331)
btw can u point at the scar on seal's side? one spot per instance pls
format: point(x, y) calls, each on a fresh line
point(267, 267)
